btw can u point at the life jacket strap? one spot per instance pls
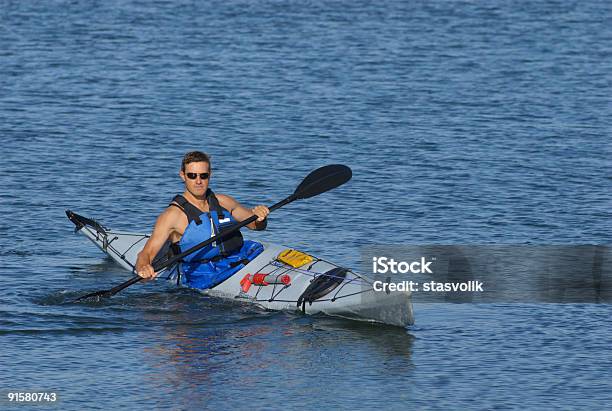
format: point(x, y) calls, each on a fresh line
point(192, 212)
point(213, 203)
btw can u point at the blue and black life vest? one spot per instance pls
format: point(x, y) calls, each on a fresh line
point(216, 262)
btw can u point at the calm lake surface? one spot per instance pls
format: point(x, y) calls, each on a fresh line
point(464, 123)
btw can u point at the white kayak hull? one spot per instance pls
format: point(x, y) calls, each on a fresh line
point(352, 298)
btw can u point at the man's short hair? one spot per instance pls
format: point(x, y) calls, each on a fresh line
point(196, 157)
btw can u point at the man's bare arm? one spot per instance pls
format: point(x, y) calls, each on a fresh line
point(241, 213)
point(164, 226)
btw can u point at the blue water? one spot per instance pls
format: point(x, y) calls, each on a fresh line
point(463, 122)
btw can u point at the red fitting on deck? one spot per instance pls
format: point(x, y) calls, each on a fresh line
point(246, 283)
point(259, 279)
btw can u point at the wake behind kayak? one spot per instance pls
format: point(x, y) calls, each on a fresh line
point(278, 278)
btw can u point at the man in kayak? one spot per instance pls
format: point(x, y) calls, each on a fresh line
point(195, 216)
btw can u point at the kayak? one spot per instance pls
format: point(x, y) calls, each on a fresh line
point(278, 278)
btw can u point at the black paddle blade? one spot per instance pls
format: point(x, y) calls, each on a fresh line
point(112, 291)
point(323, 179)
point(97, 294)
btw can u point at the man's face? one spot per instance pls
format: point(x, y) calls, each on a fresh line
point(198, 185)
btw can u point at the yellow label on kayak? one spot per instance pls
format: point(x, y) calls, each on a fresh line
point(294, 258)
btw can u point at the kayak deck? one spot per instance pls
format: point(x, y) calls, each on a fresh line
point(319, 286)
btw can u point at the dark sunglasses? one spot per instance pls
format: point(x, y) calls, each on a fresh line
point(192, 176)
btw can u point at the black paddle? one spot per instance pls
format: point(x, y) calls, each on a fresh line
point(319, 181)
